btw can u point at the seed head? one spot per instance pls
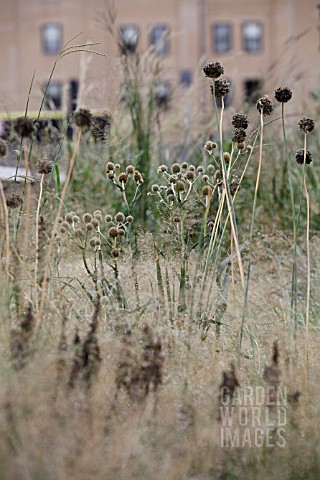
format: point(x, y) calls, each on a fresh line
point(180, 186)
point(121, 232)
point(115, 252)
point(89, 227)
point(234, 185)
point(3, 148)
point(87, 217)
point(306, 125)
point(44, 166)
point(163, 168)
point(264, 105)
point(130, 218)
point(227, 157)
point(241, 146)
point(170, 197)
point(14, 200)
point(221, 88)
point(175, 168)
point(130, 169)
point(177, 219)
point(110, 166)
point(192, 168)
point(190, 176)
point(78, 233)
point(300, 156)
point(83, 118)
point(200, 169)
point(113, 232)
point(240, 120)
point(283, 94)
point(24, 127)
point(98, 216)
point(210, 168)
point(123, 177)
point(172, 179)
point(239, 135)
point(120, 217)
point(69, 218)
point(108, 218)
point(213, 70)
point(155, 188)
point(117, 166)
point(205, 178)
point(210, 146)
point(95, 223)
point(184, 165)
point(110, 175)
point(206, 190)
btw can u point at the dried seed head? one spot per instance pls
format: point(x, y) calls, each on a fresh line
point(123, 177)
point(65, 225)
point(69, 218)
point(110, 175)
point(241, 146)
point(169, 191)
point(83, 118)
point(110, 166)
point(113, 232)
point(163, 168)
point(93, 242)
point(205, 178)
point(192, 168)
point(155, 188)
point(264, 105)
point(117, 166)
point(95, 223)
point(306, 125)
point(44, 166)
point(115, 252)
point(130, 218)
point(240, 120)
point(180, 186)
point(184, 165)
point(190, 176)
point(78, 233)
point(206, 191)
point(221, 88)
point(121, 232)
point(60, 220)
point(98, 216)
point(210, 146)
point(200, 169)
point(14, 200)
point(130, 169)
point(300, 156)
point(3, 148)
point(234, 185)
point(63, 230)
point(170, 198)
point(227, 157)
point(177, 219)
point(87, 217)
point(24, 127)
point(213, 70)
point(210, 168)
point(75, 218)
point(120, 217)
point(175, 168)
point(138, 177)
point(239, 135)
point(108, 218)
point(283, 94)
point(172, 179)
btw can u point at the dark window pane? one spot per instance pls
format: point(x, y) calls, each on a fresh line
point(52, 38)
point(129, 37)
point(74, 88)
point(54, 95)
point(252, 90)
point(159, 39)
point(222, 37)
point(252, 36)
point(185, 78)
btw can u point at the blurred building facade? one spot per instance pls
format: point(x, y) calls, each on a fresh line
point(260, 42)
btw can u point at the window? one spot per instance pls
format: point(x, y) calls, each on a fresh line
point(252, 90)
point(73, 95)
point(252, 36)
point(186, 78)
point(162, 94)
point(159, 39)
point(221, 37)
point(54, 95)
point(129, 37)
point(52, 38)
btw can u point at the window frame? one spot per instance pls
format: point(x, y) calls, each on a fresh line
point(213, 43)
point(166, 28)
point(45, 50)
point(261, 25)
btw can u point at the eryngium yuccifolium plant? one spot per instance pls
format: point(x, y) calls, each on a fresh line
point(306, 125)
point(44, 166)
point(239, 135)
point(283, 94)
point(122, 179)
point(240, 120)
point(221, 88)
point(213, 70)
point(3, 148)
point(264, 105)
point(83, 118)
point(24, 127)
point(210, 147)
point(300, 156)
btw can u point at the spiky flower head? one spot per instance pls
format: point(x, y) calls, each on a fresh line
point(283, 94)
point(3, 148)
point(108, 218)
point(240, 120)
point(180, 186)
point(207, 190)
point(190, 176)
point(123, 177)
point(120, 217)
point(130, 169)
point(14, 200)
point(227, 157)
point(213, 70)
point(221, 88)
point(306, 125)
point(184, 165)
point(130, 218)
point(115, 252)
point(113, 232)
point(264, 105)
point(239, 135)
point(44, 167)
point(210, 146)
point(300, 156)
point(155, 188)
point(110, 166)
point(175, 168)
point(83, 118)
point(23, 126)
point(87, 217)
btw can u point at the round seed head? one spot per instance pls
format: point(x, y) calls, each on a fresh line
point(63, 230)
point(264, 105)
point(234, 185)
point(120, 217)
point(172, 179)
point(155, 188)
point(98, 217)
point(192, 168)
point(130, 169)
point(14, 200)
point(206, 191)
point(110, 166)
point(65, 225)
point(108, 218)
point(306, 125)
point(115, 252)
point(184, 165)
point(180, 186)
point(210, 225)
point(213, 70)
point(239, 135)
point(60, 219)
point(177, 219)
point(117, 166)
point(205, 178)
point(190, 176)
point(283, 94)
point(300, 156)
point(121, 232)
point(113, 232)
point(169, 191)
point(97, 242)
point(210, 168)
point(3, 148)
point(95, 223)
point(210, 146)
point(93, 242)
point(75, 218)
point(241, 146)
point(23, 126)
point(221, 88)
point(87, 217)
point(200, 169)
point(44, 166)
point(175, 168)
point(69, 218)
point(240, 120)
point(130, 218)
point(78, 233)
point(89, 227)
point(170, 198)
point(83, 118)
point(123, 177)
point(110, 175)
point(227, 157)
point(163, 168)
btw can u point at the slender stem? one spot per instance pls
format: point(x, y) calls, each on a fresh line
point(6, 220)
point(37, 241)
point(308, 275)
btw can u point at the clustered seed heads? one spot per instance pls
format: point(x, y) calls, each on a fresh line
point(239, 135)
point(264, 105)
point(122, 178)
point(213, 70)
point(240, 120)
point(221, 88)
point(44, 167)
point(283, 94)
point(306, 125)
